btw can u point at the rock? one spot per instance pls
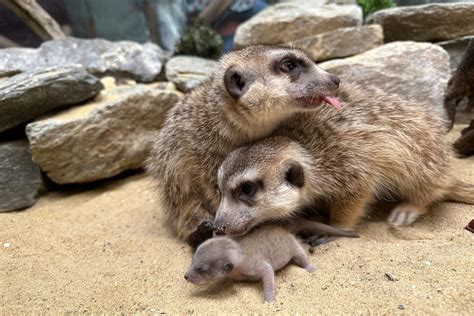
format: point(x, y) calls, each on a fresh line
point(416, 71)
point(127, 59)
point(30, 94)
point(342, 42)
point(20, 178)
point(430, 22)
point(456, 49)
point(186, 72)
point(285, 22)
point(102, 138)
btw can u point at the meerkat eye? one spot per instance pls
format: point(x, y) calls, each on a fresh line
point(288, 66)
point(201, 269)
point(248, 189)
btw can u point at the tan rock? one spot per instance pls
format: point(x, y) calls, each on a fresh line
point(430, 22)
point(289, 21)
point(342, 42)
point(102, 138)
point(187, 72)
point(416, 71)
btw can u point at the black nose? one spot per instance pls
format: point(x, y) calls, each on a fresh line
point(335, 80)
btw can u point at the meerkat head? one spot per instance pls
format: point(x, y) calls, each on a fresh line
point(213, 260)
point(261, 182)
point(269, 82)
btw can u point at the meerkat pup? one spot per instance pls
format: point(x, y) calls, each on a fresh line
point(251, 92)
point(376, 147)
point(253, 257)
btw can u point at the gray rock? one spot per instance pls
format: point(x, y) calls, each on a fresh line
point(416, 71)
point(187, 72)
point(30, 94)
point(342, 42)
point(102, 138)
point(20, 178)
point(284, 22)
point(456, 49)
point(98, 56)
point(430, 22)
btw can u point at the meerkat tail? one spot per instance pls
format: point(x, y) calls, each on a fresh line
point(461, 192)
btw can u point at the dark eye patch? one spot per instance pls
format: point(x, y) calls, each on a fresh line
point(290, 65)
point(247, 190)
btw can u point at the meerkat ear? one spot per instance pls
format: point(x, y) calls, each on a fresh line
point(295, 174)
point(236, 82)
point(228, 266)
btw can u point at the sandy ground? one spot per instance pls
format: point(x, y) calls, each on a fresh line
point(104, 249)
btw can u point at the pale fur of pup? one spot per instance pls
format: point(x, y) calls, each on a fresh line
point(253, 257)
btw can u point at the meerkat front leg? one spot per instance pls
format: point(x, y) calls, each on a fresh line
point(405, 213)
point(346, 212)
point(268, 280)
point(200, 226)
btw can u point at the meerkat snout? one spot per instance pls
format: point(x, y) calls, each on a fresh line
point(335, 80)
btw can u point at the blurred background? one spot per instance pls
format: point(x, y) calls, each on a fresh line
point(160, 21)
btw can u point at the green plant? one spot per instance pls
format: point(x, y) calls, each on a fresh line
point(200, 40)
point(370, 6)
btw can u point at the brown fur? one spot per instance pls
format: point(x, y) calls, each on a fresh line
point(461, 84)
point(253, 257)
point(377, 147)
point(210, 122)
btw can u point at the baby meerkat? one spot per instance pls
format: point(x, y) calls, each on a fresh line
point(385, 147)
point(253, 257)
point(251, 92)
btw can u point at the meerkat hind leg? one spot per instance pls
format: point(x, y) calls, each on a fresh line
point(345, 213)
point(405, 214)
point(301, 259)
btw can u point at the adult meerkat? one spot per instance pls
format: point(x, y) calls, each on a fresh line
point(251, 92)
point(461, 84)
point(253, 257)
point(378, 147)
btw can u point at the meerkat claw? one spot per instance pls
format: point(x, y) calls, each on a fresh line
point(402, 216)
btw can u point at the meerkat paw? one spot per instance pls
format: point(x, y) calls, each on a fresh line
point(310, 268)
point(404, 214)
point(202, 233)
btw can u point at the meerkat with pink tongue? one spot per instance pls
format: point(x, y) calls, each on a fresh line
point(251, 92)
point(384, 147)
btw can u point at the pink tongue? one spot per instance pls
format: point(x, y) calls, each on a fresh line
point(334, 102)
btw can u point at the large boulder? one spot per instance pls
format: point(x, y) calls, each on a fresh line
point(430, 22)
point(20, 178)
point(102, 138)
point(456, 49)
point(416, 71)
point(124, 58)
point(30, 94)
point(187, 72)
point(342, 42)
point(284, 22)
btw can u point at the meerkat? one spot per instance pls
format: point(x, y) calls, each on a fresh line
point(252, 91)
point(253, 257)
point(374, 148)
point(461, 84)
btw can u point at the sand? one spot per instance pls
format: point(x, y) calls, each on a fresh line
point(104, 248)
